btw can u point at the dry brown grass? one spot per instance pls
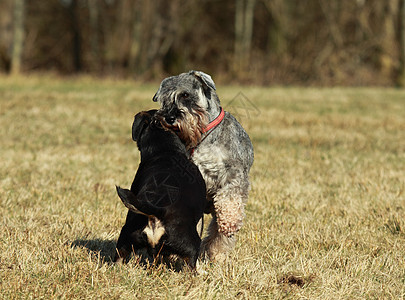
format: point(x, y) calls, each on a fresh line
point(325, 218)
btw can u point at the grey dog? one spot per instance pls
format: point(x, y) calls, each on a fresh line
point(218, 145)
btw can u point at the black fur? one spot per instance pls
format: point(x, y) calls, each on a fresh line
point(167, 189)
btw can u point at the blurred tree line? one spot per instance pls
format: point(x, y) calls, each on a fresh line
point(348, 42)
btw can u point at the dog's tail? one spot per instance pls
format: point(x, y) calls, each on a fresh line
point(138, 206)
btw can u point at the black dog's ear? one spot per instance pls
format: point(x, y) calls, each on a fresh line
point(127, 197)
point(204, 78)
point(140, 121)
point(137, 206)
point(137, 127)
point(152, 112)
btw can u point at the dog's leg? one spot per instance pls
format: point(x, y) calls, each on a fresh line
point(200, 268)
point(216, 245)
point(186, 244)
point(229, 203)
point(200, 226)
point(120, 255)
point(122, 250)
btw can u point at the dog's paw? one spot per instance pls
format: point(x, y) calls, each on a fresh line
point(200, 269)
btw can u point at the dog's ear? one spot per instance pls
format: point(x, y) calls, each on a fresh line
point(155, 97)
point(204, 78)
point(140, 121)
point(137, 127)
point(128, 198)
point(152, 112)
point(138, 206)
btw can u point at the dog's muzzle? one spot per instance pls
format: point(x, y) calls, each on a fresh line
point(167, 120)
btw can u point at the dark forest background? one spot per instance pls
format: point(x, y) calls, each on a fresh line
point(323, 42)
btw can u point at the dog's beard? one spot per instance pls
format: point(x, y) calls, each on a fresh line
point(191, 127)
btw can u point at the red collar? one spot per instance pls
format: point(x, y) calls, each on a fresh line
point(215, 122)
point(209, 127)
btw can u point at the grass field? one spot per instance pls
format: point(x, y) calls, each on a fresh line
point(325, 217)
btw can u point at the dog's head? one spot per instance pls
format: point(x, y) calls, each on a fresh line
point(188, 103)
point(152, 137)
point(141, 122)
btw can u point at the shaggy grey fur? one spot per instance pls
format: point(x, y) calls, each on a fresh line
point(224, 154)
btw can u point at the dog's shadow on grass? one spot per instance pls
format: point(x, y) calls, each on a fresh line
point(104, 248)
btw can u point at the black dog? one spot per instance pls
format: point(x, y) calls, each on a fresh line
point(167, 197)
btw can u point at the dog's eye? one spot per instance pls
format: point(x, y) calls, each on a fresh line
point(156, 123)
point(184, 95)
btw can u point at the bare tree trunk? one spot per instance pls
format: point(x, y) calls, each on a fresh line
point(6, 33)
point(76, 43)
point(277, 32)
point(388, 57)
point(153, 34)
point(239, 17)
point(244, 16)
point(145, 35)
point(332, 10)
point(248, 30)
point(94, 36)
point(401, 14)
point(155, 39)
point(18, 39)
point(135, 47)
point(329, 56)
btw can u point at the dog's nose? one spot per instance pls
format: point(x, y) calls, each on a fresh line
point(170, 120)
